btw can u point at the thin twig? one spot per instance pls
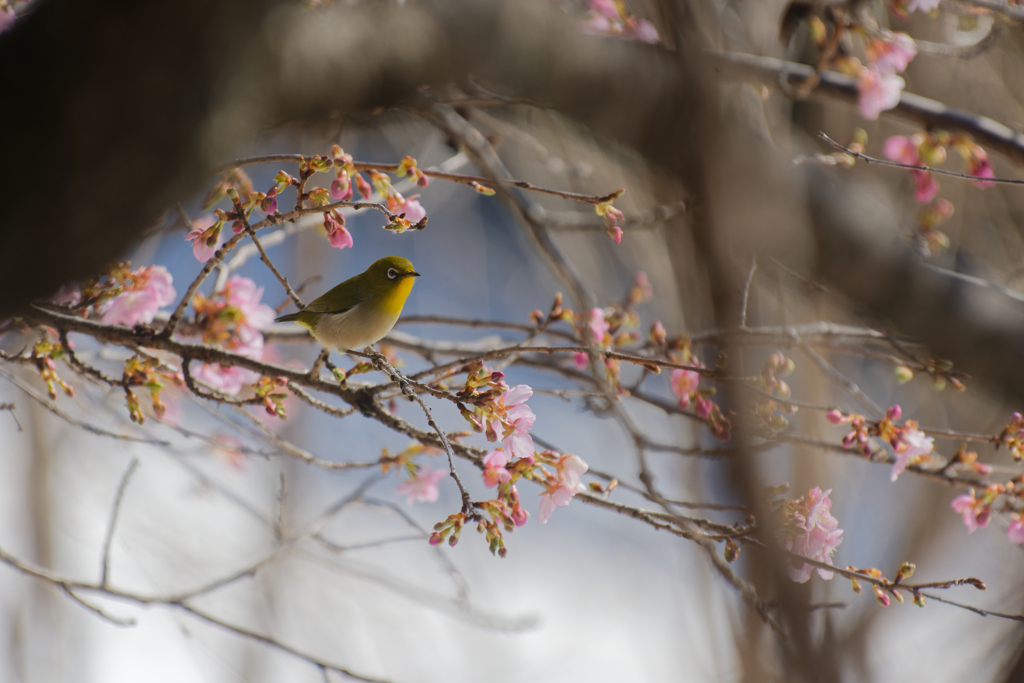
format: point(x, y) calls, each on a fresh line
point(746, 292)
point(911, 167)
point(109, 538)
point(395, 376)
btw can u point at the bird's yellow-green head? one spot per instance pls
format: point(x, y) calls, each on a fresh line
point(388, 277)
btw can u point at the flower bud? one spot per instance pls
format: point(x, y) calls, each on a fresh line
point(904, 374)
point(894, 412)
point(834, 416)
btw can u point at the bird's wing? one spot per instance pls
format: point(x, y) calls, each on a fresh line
point(342, 298)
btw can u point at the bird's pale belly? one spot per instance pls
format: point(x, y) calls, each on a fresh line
point(354, 329)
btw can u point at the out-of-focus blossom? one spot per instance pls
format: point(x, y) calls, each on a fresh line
point(1015, 532)
point(570, 469)
point(7, 20)
point(200, 239)
point(810, 530)
point(597, 325)
point(893, 54)
point(923, 5)
point(684, 383)
point(917, 445)
point(878, 92)
point(581, 360)
point(68, 294)
point(245, 295)
point(976, 513)
point(904, 150)
point(606, 20)
point(225, 379)
point(926, 186)
point(143, 296)
point(423, 487)
point(982, 168)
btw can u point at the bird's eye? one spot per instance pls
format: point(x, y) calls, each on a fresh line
point(392, 273)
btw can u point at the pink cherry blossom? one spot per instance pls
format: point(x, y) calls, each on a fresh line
point(878, 92)
point(982, 168)
point(550, 500)
point(917, 445)
point(975, 515)
point(926, 186)
point(901, 149)
point(243, 294)
point(422, 488)
point(923, 5)
point(1015, 532)
point(642, 30)
point(581, 360)
point(520, 417)
point(605, 8)
point(615, 232)
point(225, 379)
point(684, 383)
point(893, 55)
point(142, 298)
point(597, 325)
point(820, 535)
point(199, 248)
point(413, 210)
point(495, 471)
point(570, 469)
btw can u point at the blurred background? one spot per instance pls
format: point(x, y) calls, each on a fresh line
point(591, 595)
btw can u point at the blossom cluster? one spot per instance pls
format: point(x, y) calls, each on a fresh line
point(233, 319)
point(686, 385)
point(610, 18)
point(878, 85)
point(121, 296)
point(909, 444)
point(929, 149)
point(807, 528)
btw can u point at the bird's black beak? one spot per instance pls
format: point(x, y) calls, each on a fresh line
point(412, 273)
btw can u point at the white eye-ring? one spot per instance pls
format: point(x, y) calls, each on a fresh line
point(392, 273)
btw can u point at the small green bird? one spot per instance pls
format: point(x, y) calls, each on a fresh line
point(362, 309)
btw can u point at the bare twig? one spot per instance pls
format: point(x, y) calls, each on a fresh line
point(109, 538)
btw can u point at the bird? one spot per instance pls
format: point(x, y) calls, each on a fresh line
point(362, 309)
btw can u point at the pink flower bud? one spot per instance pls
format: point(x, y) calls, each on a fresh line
point(519, 516)
point(364, 187)
point(435, 539)
point(341, 188)
point(894, 412)
point(834, 416)
point(269, 203)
